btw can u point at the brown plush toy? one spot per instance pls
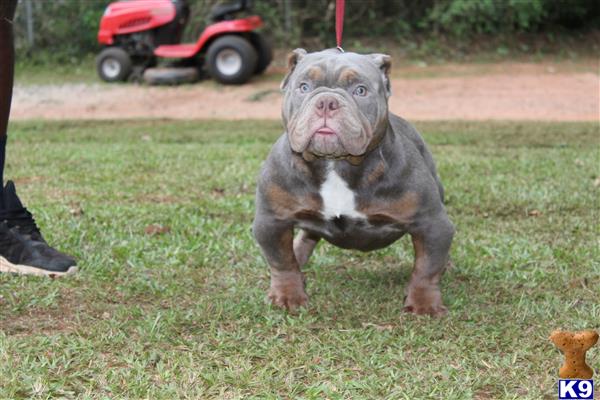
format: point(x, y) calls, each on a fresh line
point(574, 345)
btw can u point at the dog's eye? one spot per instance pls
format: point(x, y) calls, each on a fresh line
point(304, 87)
point(360, 91)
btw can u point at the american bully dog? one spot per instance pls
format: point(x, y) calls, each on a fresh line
point(348, 171)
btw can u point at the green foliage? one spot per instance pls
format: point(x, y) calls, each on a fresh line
point(466, 17)
point(455, 18)
point(66, 29)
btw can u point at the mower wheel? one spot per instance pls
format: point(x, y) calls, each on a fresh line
point(231, 60)
point(113, 64)
point(265, 53)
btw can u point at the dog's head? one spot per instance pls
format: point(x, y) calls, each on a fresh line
point(335, 104)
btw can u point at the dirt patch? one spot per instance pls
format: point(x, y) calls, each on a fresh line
point(71, 311)
point(473, 92)
point(42, 320)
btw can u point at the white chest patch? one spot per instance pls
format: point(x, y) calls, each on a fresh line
point(337, 197)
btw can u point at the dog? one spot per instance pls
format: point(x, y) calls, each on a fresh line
point(348, 171)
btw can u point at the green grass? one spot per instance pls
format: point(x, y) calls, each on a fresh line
point(50, 72)
point(182, 314)
point(45, 70)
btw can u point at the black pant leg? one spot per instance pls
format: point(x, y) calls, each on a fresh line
point(7, 63)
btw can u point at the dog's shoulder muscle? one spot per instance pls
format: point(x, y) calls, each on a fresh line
point(406, 130)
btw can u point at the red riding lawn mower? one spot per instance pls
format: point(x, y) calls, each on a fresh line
point(136, 33)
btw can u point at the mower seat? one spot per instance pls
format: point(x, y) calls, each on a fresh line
point(222, 12)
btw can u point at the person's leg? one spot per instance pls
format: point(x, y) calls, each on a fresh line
point(7, 55)
point(22, 247)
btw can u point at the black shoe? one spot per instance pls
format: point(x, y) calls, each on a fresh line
point(22, 247)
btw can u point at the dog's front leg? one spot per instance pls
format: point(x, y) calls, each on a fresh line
point(287, 281)
point(304, 244)
point(431, 243)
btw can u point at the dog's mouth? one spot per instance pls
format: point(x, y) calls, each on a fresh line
point(326, 142)
point(325, 130)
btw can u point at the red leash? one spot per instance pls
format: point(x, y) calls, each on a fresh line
point(339, 22)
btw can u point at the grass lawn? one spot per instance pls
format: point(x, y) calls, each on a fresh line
point(182, 314)
point(44, 73)
point(84, 71)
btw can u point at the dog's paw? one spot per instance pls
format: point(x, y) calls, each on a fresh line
point(287, 290)
point(425, 301)
point(432, 311)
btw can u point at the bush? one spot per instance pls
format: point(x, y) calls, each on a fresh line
point(64, 29)
point(467, 17)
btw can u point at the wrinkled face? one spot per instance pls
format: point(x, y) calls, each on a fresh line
point(335, 104)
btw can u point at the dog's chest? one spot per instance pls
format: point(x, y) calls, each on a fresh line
point(338, 200)
point(342, 221)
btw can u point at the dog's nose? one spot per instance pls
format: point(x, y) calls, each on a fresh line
point(327, 105)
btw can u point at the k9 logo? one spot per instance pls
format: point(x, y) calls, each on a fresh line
point(575, 389)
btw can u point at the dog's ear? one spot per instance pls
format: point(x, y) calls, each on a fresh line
point(293, 59)
point(384, 63)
